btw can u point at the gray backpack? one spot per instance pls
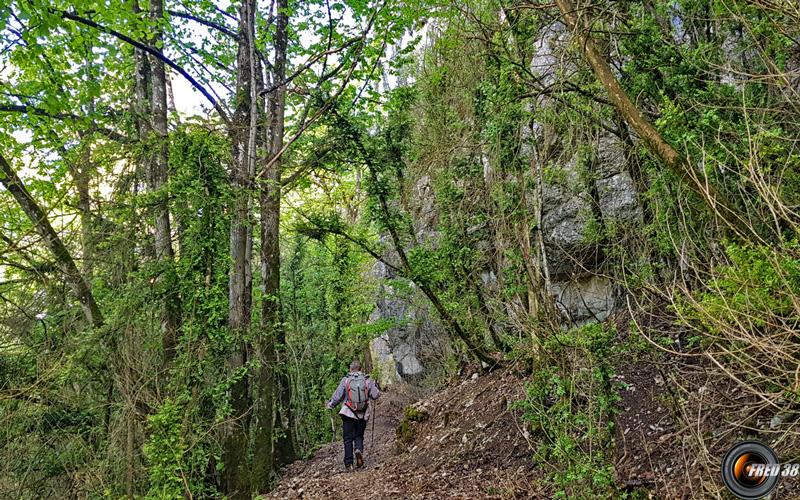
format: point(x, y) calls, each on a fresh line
point(356, 392)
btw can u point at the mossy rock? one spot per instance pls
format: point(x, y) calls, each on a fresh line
point(405, 431)
point(414, 415)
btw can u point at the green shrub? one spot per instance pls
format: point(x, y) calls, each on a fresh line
point(569, 403)
point(174, 463)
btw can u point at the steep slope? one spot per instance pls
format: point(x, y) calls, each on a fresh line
point(462, 442)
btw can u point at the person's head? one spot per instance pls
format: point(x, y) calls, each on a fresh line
point(355, 366)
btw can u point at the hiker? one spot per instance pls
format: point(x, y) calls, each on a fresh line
point(355, 390)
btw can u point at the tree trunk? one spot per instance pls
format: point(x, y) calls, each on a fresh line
point(82, 175)
point(141, 103)
point(285, 444)
point(130, 427)
point(236, 481)
point(63, 258)
point(270, 199)
point(157, 180)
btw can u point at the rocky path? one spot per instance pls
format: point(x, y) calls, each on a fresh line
point(464, 444)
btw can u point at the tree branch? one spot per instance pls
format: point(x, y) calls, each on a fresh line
point(361, 244)
point(33, 110)
point(88, 22)
point(645, 130)
point(308, 64)
point(211, 24)
point(38, 218)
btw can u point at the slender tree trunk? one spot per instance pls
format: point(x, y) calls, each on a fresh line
point(142, 112)
point(236, 481)
point(270, 199)
point(130, 428)
point(64, 260)
point(495, 225)
point(533, 287)
point(81, 175)
point(540, 264)
point(80, 170)
point(157, 180)
point(141, 103)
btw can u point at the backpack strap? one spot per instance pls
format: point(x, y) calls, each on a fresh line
point(349, 400)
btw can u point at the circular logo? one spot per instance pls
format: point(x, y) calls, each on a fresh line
point(750, 470)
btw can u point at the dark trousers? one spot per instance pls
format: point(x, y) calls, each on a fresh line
point(353, 433)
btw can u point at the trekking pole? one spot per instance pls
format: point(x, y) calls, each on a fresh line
point(333, 426)
point(374, 416)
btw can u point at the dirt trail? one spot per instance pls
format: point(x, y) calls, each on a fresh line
point(467, 444)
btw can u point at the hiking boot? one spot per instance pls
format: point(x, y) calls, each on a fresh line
point(348, 467)
point(359, 459)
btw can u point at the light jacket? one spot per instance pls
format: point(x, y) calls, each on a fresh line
point(341, 394)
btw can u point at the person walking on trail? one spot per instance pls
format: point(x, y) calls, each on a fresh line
point(355, 391)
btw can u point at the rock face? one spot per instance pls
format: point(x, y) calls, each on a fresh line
point(400, 340)
point(425, 214)
point(411, 338)
point(383, 363)
point(589, 298)
point(573, 201)
point(589, 192)
point(571, 206)
point(579, 196)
